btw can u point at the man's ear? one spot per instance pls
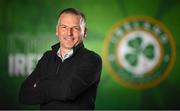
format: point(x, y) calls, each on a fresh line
point(56, 30)
point(85, 32)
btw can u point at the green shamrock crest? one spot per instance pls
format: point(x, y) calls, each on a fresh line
point(136, 44)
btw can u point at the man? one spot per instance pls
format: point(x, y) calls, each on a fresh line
point(67, 76)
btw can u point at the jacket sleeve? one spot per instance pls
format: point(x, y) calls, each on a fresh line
point(86, 73)
point(30, 91)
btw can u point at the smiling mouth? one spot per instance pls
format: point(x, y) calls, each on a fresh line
point(69, 38)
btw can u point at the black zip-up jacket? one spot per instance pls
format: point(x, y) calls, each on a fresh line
point(71, 84)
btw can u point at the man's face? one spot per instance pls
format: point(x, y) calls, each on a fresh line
point(69, 31)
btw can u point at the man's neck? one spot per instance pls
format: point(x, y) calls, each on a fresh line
point(64, 51)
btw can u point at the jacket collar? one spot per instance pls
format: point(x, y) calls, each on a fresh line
point(75, 49)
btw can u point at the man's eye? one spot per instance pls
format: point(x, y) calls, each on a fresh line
point(76, 28)
point(63, 27)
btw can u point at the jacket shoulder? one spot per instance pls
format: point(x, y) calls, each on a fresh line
point(92, 55)
point(46, 55)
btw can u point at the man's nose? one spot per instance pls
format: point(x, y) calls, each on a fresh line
point(69, 31)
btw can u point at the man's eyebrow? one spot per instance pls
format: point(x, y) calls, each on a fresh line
point(68, 26)
point(62, 25)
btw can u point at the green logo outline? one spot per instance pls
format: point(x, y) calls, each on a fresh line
point(167, 52)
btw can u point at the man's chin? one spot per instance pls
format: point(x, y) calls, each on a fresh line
point(69, 46)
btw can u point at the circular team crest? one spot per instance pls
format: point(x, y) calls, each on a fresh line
point(139, 52)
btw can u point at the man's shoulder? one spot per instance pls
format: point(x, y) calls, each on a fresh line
point(91, 54)
point(47, 54)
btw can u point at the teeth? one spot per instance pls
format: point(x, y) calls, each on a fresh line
point(68, 38)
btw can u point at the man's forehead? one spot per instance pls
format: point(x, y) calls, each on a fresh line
point(70, 19)
point(70, 14)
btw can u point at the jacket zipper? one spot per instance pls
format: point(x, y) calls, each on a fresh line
point(57, 68)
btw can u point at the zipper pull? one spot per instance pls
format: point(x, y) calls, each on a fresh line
point(35, 84)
